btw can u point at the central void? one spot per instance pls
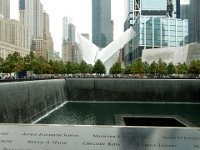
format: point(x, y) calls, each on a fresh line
point(102, 113)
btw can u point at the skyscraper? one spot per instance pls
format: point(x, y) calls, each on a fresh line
point(66, 21)
point(102, 25)
point(194, 21)
point(184, 11)
point(14, 37)
point(156, 24)
point(31, 15)
point(68, 46)
point(47, 35)
point(5, 9)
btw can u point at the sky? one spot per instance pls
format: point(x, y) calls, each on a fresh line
point(79, 11)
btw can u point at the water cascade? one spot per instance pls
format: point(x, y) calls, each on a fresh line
point(134, 90)
point(26, 101)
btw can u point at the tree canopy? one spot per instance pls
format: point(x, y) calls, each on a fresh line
point(99, 67)
point(116, 68)
point(38, 65)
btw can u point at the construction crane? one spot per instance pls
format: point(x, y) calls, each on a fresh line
point(170, 7)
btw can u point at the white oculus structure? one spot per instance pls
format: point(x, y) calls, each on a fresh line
point(108, 55)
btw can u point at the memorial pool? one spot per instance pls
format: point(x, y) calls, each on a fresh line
point(112, 113)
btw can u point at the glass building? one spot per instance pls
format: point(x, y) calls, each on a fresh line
point(102, 25)
point(158, 32)
point(156, 24)
point(194, 21)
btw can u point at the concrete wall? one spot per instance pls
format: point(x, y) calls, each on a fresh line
point(145, 90)
point(26, 101)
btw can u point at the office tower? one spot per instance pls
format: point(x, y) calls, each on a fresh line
point(71, 33)
point(66, 22)
point(44, 46)
point(22, 11)
point(5, 9)
point(102, 25)
point(47, 35)
point(31, 15)
point(184, 11)
point(14, 37)
point(194, 21)
point(156, 24)
point(69, 46)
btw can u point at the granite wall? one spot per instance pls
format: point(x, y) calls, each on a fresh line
point(26, 101)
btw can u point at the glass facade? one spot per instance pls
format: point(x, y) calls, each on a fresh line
point(21, 4)
point(158, 32)
point(102, 25)
point(194, 21)
point(161, 31)
point(155, 25)
point(154, 5)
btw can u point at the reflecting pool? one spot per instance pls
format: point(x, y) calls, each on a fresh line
point(108, 113)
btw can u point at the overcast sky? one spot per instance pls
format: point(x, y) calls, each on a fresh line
point(79, 11)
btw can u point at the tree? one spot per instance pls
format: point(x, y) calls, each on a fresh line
point(194, 67)
point(153, 68)
point(137, 67)
point(171, 68)
point(161, 67)
point(13, 63)
point(40, 65)
point(182, 68)
point(75, 68)
point(83, 67)
point(116, 68)
point(1, 64)
point(127, 69)
point(29, 61)
point(68, 67)
point(90, 68)
point(99, 68)
point(146, 67)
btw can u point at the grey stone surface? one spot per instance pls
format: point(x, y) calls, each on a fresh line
point(26, 101)
point(43, 137)
point(145, 90)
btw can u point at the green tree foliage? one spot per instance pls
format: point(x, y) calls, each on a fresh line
point(68, 67)
point(90, 68)
point(146, 67)
point(127, 69)
point(40, 65)
point(194, 67)
point(116, 68)
point(137, 67)
point(161, 67)
point(171, 68)
point(29, 61)
point(75, 68)
point(71, 68)
point(84, 67)
point(1, 64)
point(153, 68)
point(13, 63)
point(99, 68)
point(182, 68)
point(57, 67)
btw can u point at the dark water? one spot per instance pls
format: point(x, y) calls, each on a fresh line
point(110, 113)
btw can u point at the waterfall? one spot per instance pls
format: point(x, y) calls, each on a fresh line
point(23, 102)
